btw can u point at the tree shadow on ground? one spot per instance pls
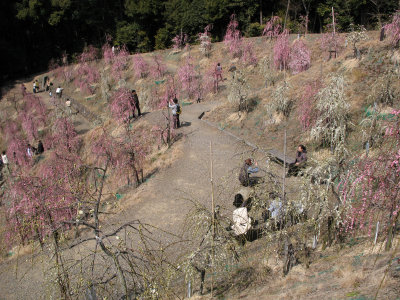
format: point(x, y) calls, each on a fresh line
point(239, 280)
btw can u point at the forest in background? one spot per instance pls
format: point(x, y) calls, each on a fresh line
point(36, 31)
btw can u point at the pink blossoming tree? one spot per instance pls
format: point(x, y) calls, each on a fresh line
point(393, 29)
point(140, 67)
point(122, 105)
point(282, 51)
point(233, 38)
point(300, 57)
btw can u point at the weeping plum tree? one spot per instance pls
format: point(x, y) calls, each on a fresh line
point(372, 191)
point(273, 27)
point(87, 74)
point(180, 41)
point(122, 105)
point(233, 38)
point(120, 63)
point(188, 77)
point(393, 29)
point(205, 41)
point(239, 91)
point(307, 102)
point(300, 57)
point(140, 67)
point(331, 126)
point(354, 37)
point(282, 51)
point(158, 68)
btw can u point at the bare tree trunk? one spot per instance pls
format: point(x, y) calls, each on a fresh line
point(286, 15)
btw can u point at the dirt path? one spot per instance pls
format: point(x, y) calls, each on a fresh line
point(162, 201)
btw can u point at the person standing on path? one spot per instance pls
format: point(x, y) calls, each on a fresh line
point(218, 76)
point(34, 86)
point(136, 103)
point(59, 92)
point(176, 111)
point(246, 170)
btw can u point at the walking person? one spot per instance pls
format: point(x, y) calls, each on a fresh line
point(136, 103)
point(176, 111)
point(218, 76)
point(34, 86)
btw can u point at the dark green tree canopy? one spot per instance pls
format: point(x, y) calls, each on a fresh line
point(35, 31)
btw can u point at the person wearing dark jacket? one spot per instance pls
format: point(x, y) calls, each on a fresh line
point(301, 159)
point(136, 103)
point(40, 148)
point(246, 170)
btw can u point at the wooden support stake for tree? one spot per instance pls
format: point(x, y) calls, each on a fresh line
point(212, 219)
point(284, 176)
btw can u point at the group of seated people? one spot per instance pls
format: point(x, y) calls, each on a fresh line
point(242, 225)
point(30, 150)
point(250, 167)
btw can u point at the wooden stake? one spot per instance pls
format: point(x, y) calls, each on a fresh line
point(284, 176)
point(212, 219)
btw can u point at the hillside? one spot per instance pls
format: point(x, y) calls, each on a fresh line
point(172, 198)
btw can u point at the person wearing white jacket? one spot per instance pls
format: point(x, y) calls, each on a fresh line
point(241, 220)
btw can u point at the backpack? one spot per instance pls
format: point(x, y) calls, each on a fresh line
point(178, 109)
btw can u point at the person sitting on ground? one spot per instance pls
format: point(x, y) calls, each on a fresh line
point(241, 220)
point(176, 111)
point(300, 162)
point(40, 148)
point(59, 92)
point(4, 159)
point(136, 103)
point(246, 170)
point(30, 150)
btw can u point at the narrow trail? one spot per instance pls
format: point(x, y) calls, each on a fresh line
point(162, 201)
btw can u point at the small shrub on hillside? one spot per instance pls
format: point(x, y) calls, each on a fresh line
point(267, 70)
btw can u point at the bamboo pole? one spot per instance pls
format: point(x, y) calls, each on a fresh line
point(212, 218)
point(284, 175)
